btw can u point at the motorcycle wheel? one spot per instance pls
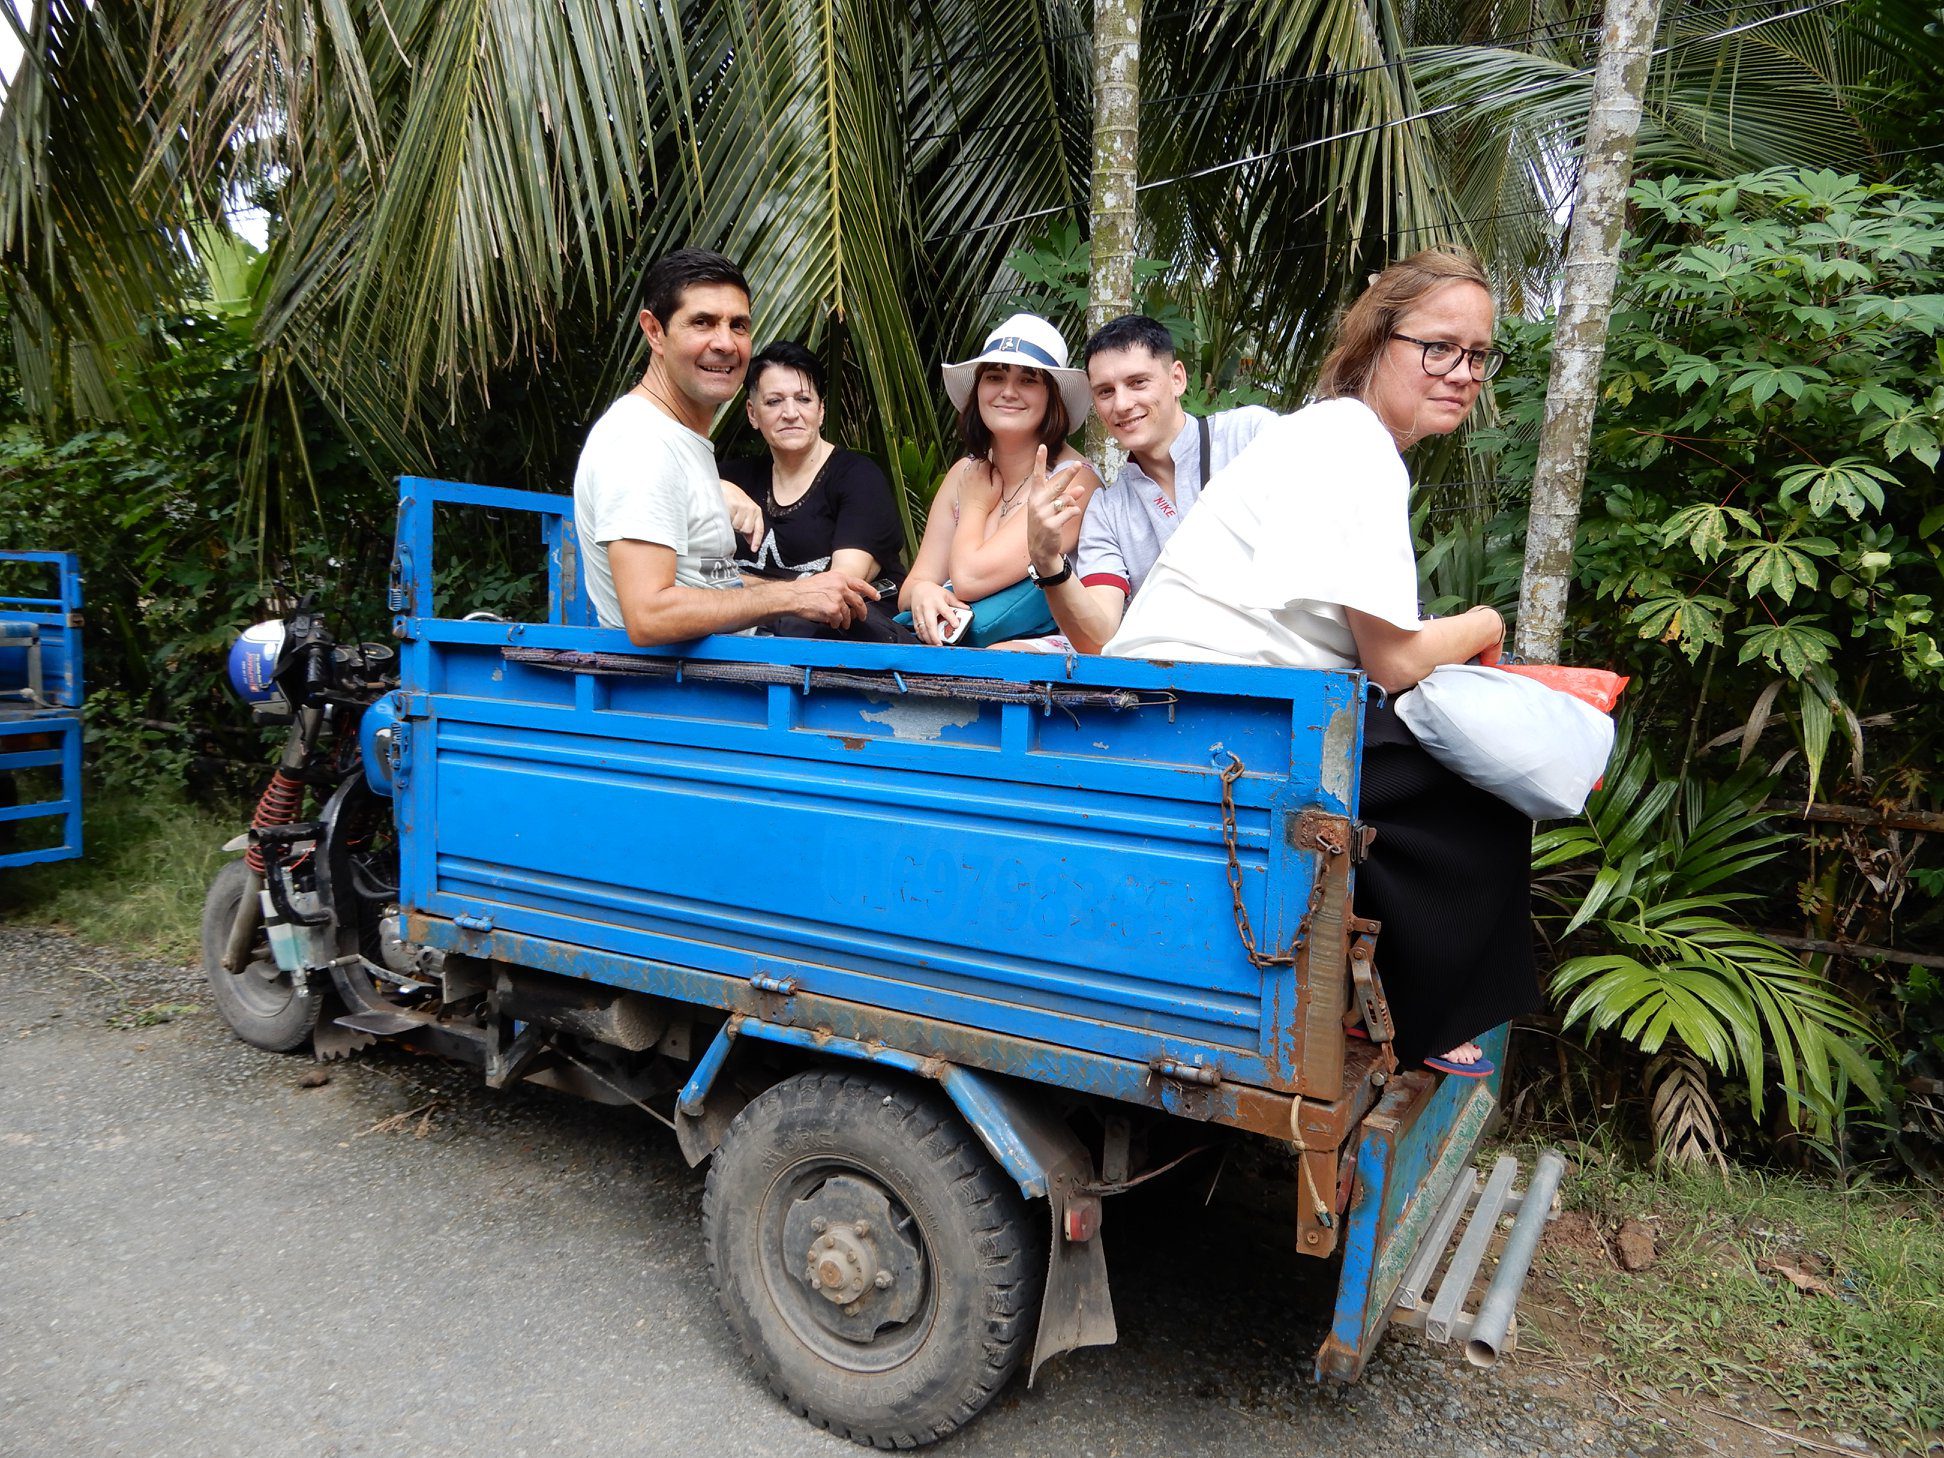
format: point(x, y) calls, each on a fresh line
point(260, 1002)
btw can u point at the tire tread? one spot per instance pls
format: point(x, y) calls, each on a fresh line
point(1008, 1274)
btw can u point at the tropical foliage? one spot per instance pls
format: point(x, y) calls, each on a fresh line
point(464, 193)
point(1656, 873)
point(1763, 549)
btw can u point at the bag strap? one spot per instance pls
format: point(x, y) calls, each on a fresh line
point(1202, 421)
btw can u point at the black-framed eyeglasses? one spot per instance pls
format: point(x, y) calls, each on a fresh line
point(1441, 357)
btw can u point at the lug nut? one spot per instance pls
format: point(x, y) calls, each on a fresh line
point(863, 1228)
point(884, 1280)
point(816, 1281)
point(820, 1225)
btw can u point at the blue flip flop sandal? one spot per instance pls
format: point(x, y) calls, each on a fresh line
point(1483, 1068)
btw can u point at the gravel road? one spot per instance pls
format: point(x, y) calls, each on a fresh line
point(198, 1255)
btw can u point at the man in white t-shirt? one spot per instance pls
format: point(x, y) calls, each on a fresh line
point(657, 547)
point(1137, 383)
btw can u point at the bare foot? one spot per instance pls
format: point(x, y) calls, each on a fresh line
point(1465, 1053)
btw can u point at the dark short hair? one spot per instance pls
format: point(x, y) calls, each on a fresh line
point(1128, 331)
point(786, 354)
point(1055, 425)
point(675, 273)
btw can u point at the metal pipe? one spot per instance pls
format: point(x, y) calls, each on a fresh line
point(243, 930)
point(1417, 1276)
point(1471, 1250)
point(1494, 1317)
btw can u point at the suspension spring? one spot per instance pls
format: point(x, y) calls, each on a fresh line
point(282, 800)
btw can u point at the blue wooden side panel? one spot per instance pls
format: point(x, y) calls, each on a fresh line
point(1050, 874)
point(44, 595)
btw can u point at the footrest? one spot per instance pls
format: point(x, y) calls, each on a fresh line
point(1492, 1330)
point(379, 1024)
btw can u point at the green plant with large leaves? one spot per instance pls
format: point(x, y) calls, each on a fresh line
point(1763, 487)
point(1651, 878)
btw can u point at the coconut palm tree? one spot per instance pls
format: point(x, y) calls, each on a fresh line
point(465, 193)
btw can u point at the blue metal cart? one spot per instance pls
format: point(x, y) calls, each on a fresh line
point(929, 951)
point(40, 709)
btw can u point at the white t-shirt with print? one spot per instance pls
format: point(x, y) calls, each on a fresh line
point(645, 477)
point(1314, 517)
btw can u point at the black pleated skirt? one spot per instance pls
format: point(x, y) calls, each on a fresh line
point(1450, 877)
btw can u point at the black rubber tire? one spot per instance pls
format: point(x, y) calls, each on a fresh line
point(982, 1263)
point(262, 1007)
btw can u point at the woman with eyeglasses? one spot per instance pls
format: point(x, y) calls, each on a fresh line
point(1299, 553)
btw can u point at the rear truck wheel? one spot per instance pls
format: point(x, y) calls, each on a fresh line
point(878, 1266)
point(259, 1001)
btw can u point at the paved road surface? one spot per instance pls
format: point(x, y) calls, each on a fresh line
point(200, 1257)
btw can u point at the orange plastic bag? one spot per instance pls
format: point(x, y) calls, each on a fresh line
point(1595, 686)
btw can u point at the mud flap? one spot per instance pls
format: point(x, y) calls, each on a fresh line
point(1077, 1309)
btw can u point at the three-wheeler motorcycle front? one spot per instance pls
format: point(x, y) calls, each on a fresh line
point(40, 707)
point(928, 951)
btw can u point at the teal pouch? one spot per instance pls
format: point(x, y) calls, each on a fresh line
point(1019, 611)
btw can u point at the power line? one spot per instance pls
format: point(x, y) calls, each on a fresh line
point(1494, 43)
point(1510, 93)
point(1523, 89)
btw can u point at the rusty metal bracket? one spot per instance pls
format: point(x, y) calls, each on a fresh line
point(1365, 982)
point(1333, 835)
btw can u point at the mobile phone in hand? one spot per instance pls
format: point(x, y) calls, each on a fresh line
point(961, 618)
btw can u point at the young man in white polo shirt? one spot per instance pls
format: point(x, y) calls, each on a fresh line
point(1137, 384)
point(657, 546)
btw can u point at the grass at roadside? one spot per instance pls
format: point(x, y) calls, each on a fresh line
point(1828, 1303)
point(140, 884)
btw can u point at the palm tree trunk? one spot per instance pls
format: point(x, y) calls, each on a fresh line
point(1579, 340)
point(1116, 155)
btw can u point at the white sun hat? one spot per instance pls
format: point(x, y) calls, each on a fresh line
point(1024, 339)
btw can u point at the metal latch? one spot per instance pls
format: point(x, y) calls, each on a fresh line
point(1364, 980)
point(782, 986)
point(1181, 1072)
point(468, 922)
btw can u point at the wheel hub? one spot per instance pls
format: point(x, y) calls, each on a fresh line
point(847, 1245)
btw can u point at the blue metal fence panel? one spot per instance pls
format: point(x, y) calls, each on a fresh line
point(1054, 873)
point(41, 740)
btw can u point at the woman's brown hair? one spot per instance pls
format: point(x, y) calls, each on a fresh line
point(1055, 427)
point(1367, 325)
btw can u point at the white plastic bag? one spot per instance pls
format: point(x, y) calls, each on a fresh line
point(1537, 749)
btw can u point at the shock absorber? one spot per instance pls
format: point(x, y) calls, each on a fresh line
point(279, 805)
point(282, 799)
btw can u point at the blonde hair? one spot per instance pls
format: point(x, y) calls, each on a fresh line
point(1367, 325)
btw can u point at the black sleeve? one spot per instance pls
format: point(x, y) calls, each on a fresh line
point(749, 472)
point(866, 517)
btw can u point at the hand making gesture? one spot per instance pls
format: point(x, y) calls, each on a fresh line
point(1051, 505)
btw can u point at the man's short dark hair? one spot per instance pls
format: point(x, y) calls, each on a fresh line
point(786, 354)
point(1128, 331)
point(677, 272)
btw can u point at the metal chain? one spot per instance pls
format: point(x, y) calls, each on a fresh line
point(1243, 929)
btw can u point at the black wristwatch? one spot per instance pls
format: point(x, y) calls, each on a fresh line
point(1052, 579)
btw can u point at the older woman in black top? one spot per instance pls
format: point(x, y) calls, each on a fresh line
point(821, 507)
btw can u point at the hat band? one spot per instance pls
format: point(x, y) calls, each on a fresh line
point(1023, 346)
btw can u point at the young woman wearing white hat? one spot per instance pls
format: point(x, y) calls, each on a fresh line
point(1016, 398)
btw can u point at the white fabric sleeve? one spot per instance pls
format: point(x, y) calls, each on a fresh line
point(1333, 501)
point(639, 492)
